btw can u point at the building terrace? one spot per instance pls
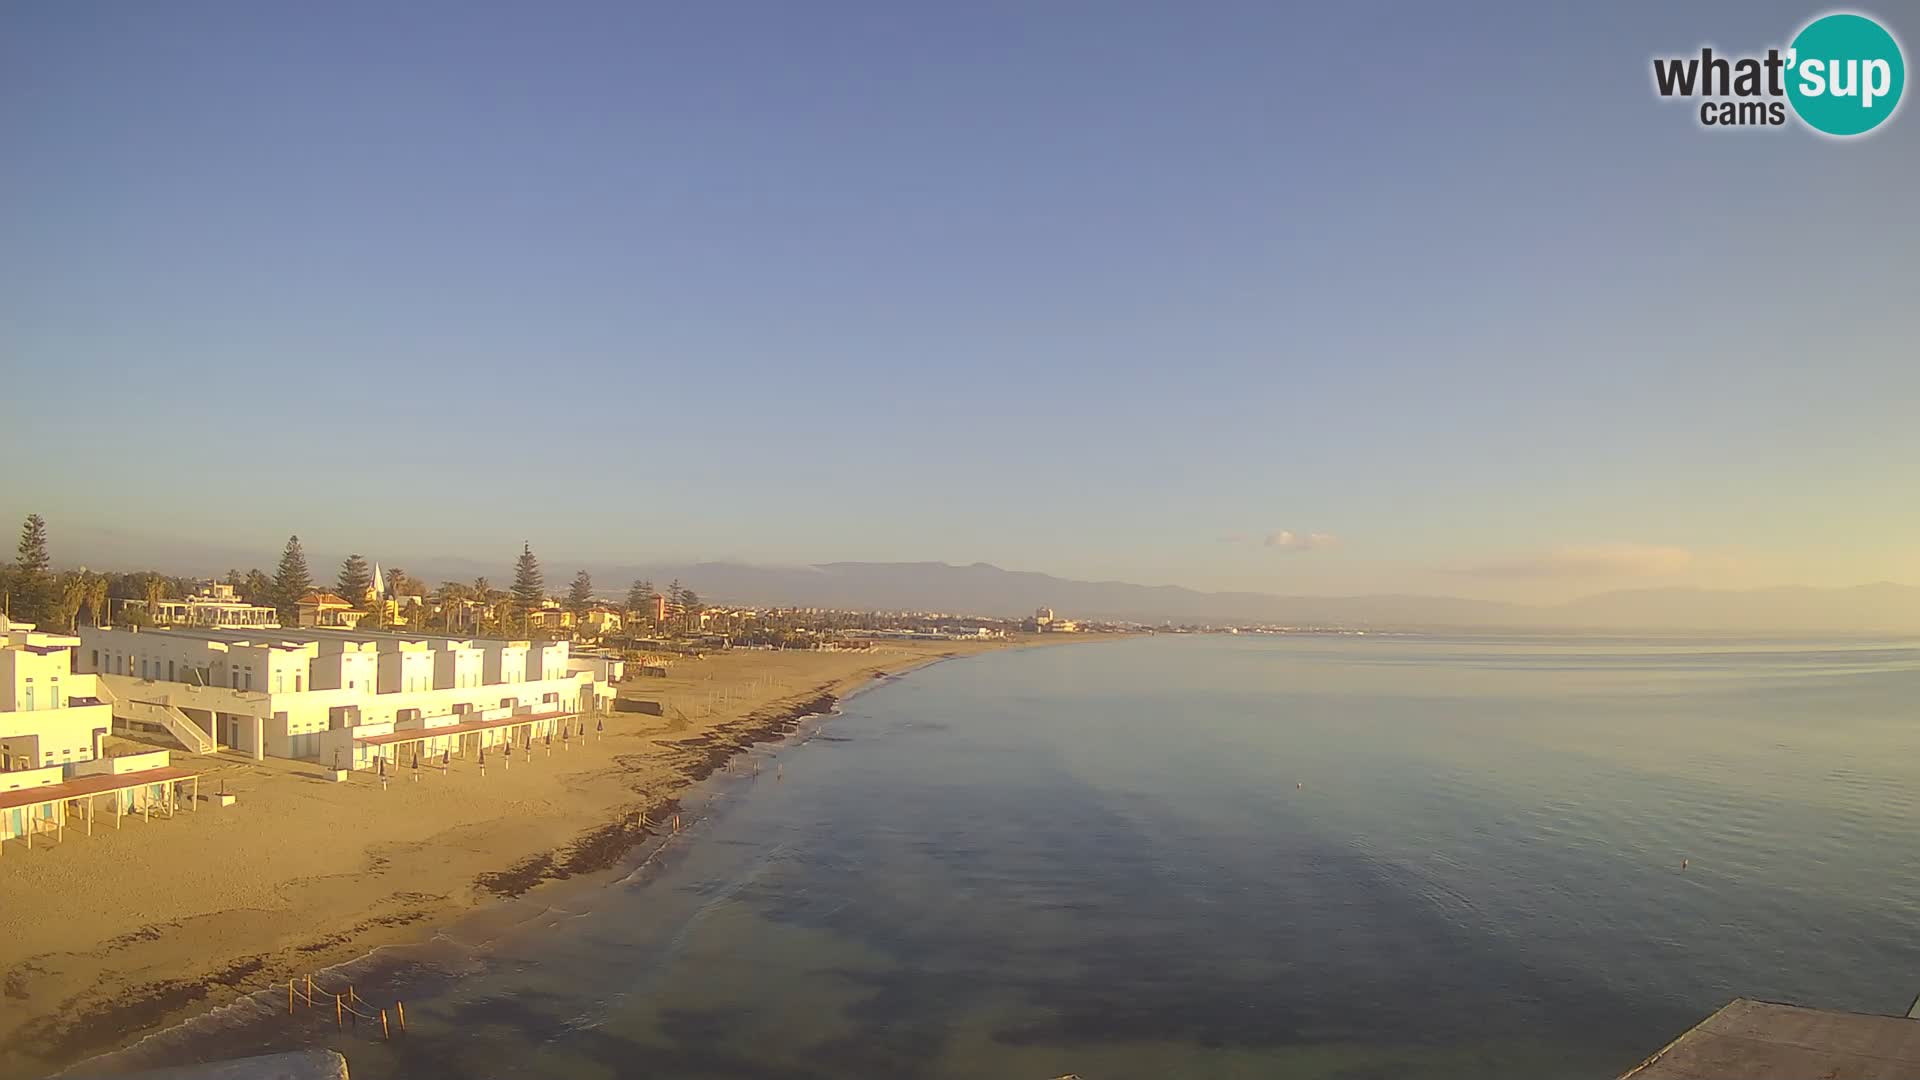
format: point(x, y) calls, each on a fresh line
point(291, 693)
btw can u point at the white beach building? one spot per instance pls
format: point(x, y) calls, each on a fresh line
point(49, 714)
point(54, 767)
point(318, 695)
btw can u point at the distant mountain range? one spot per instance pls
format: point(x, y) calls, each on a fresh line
point(983, 589)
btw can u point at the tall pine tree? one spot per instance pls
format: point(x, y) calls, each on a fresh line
point(529, 588)
point(356, 578)
point(674, 607)
point(580, 593)
point(32, 577)
point(291, 581)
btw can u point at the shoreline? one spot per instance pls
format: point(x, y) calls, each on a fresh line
point(144, 976)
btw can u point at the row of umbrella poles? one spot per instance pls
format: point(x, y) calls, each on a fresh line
point(569, 731)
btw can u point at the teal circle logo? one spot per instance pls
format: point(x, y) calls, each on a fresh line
point(1845, 74)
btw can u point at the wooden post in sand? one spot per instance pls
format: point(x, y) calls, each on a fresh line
point(289, 997)
point(385, 1032)
point(401, 1008)
point(339, 1020)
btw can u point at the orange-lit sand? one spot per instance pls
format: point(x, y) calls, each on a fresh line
point(105, 938)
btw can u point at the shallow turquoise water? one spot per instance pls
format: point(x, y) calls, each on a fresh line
point(1303, 856)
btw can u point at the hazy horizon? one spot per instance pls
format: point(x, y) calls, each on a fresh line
point(981, 588)
point(1427, 304)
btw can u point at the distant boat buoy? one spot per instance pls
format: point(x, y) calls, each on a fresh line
point(1297, 785)
point(1683, 864)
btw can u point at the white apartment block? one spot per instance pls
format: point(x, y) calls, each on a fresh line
point(319, 694)
point(50, 716)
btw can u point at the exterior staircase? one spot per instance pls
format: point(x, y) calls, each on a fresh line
point(188, 734)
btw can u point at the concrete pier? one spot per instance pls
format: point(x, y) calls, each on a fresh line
point(1751, 1039)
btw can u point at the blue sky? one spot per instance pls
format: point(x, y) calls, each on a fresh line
point(1101, 289)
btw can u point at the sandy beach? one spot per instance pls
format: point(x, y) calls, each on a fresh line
point(106, 938)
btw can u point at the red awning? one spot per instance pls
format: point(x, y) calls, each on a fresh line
point(91, 785)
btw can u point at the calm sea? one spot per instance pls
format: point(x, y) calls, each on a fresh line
point(1223, 857)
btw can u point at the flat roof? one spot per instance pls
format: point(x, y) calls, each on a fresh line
point(1750, 1038)
point(305, 635)
point(277, 636)
point(461, 728)
point(98, 784)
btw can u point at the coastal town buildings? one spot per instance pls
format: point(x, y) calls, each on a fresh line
point(325, 609)
point(320, 694)
point(550, 616)
point(1044, 621)
point(599, 621)
point(216, 604)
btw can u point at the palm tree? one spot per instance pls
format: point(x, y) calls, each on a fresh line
point(97, 600)
point(73, 590)
point(156, 591)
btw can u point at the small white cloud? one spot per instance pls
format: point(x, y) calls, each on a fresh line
point(1594, 561)
point(1288, 540)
